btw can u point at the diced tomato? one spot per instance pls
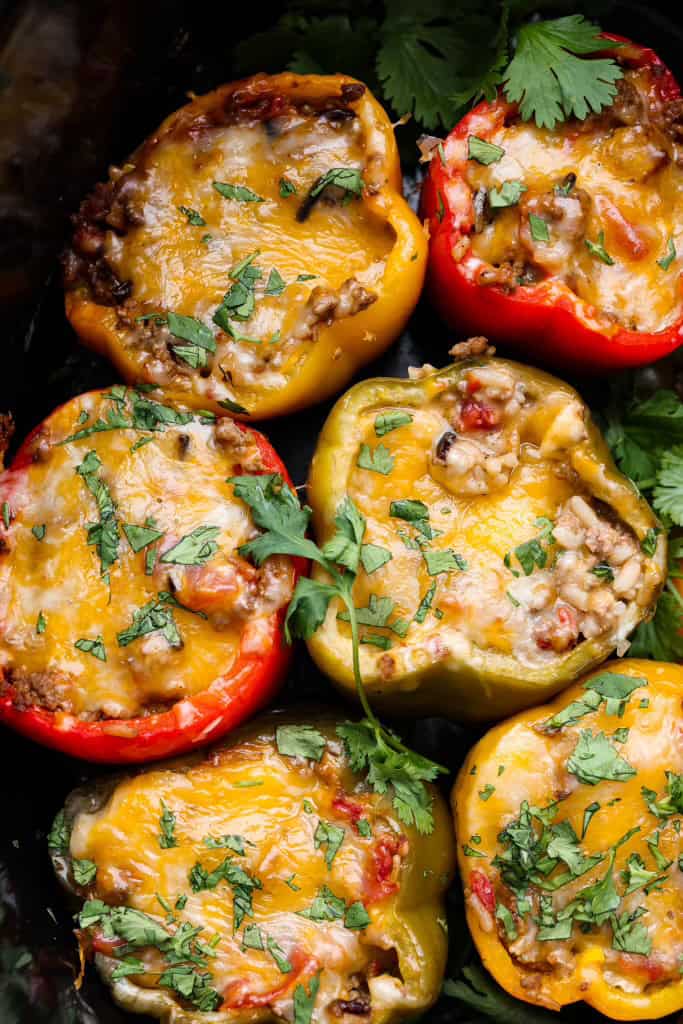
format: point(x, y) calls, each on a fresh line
point(649, 966)
point(380, 885)
point(477, 416)
point(107, 947)
point(237, 995)
point(481, 886)
point(473, 384)
point(349, 808)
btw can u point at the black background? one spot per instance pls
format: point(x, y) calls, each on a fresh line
point(80, 84)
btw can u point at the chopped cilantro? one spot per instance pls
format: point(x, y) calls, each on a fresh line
point(379, 459)
point(482, 151)
point(300, 741)
point(240, 193)
point(387, 421)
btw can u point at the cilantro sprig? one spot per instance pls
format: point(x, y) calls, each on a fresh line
point(389, 765)
point(434, 59)
point(646, 439)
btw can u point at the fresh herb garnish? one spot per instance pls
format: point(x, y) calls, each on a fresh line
point(140, 537)
point(665, 261)
point(373, 557)
point(84, 871)
point(155, 616)
point(594, 760)
point(483, 152)
point(95, 647)
point(240, 193)
point(387, 421)
point(329, 836)
point(378, 460)
point(104, 535)
point(598, 250)
point(287, 188)
point(539, 228)
point(41, 623)
point(509, 195)
point(196, 548)
point(193, 217)
point(390, 766)
point(300, 741)
point(59, 836)
point(167, 823)
point(39, 531)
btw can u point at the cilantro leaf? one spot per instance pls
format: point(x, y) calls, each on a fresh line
point(304, 1002)
point(153, 617)
point(356, 917)
point(95, 647)
point(331, 837)
point(126, 966)
point(387, 421)
point(193, 217)
point(84, 871)
point(240, 193)
point(140, 537)
point(509, 195)
point(228, 842)
point(549, 77)
point(196, 548)
point(373, 557)
point(325, 907)
point(308, 608)
point(378, 460)
point(594, 760)
point(344, 548)
point(276, 510)
point(104, 535)
point(629, 935)
point(667, 498)
point(167, 822)
point(59, 836)
point(376, 613)
point(661, 638)
point(300, 741)
point(672, 802)
point(443, 561)
point(483, 151)
point(347, 178)
point(403, 770)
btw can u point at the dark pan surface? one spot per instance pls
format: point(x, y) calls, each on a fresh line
point(120, 68)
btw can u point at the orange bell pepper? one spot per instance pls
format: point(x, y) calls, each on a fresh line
point(568, 819)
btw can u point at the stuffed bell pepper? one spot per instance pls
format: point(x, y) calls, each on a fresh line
point(503, 552)
point(254, 251)
point(565, 243)
point(568, 820)
point(258, 881)
point(130, 628)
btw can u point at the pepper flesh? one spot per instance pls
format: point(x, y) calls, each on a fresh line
point(295, 339)
point(389, 964)
point(524, 760)
point(453, 623)
point(71, 679)
point(545, 318)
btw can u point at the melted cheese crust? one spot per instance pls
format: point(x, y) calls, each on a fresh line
point(520, 762)
point(178, 480)
point(275, 803)
point(174, 265)
point(629, 190)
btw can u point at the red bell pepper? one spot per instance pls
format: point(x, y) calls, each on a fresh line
point(544, 321)
point(191, 722)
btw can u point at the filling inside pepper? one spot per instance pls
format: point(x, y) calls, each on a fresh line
point(236, 218)
point(121, 590)
point(483, 533)
point(265, 880)
point(569, 824)
point(595, 204)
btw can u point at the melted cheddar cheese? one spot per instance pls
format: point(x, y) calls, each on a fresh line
point(272, 807)
point(570, 821)
point(165, 622)
point(280, 233)
point(493, 551)
point(607, 193)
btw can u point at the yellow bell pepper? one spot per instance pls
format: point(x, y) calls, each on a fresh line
point(266, 859)
point(568, 821)
point(504, 554)
point(255, 251)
